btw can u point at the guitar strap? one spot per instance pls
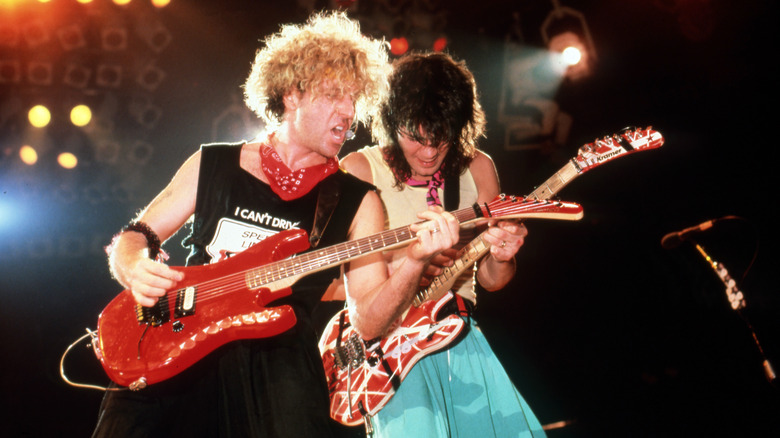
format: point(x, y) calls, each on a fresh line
point(328, 197)
point(451, 192)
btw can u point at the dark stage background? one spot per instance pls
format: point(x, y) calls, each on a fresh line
point(601, 328)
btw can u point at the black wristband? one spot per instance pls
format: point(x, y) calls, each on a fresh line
point(152, 240)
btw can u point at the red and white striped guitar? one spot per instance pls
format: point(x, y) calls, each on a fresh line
point(362, 376)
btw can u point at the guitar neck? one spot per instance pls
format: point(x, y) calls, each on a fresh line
point(478, 248)
point(325, 258)
point(556, 182)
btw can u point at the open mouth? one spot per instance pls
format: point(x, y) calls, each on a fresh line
point(343, 133)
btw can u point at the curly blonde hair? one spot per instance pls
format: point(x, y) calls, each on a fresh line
point(328, 48)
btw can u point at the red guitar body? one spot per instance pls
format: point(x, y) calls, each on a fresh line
point(371, 372)
point(136, 353)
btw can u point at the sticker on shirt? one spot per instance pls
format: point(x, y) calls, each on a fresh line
point(232, 236)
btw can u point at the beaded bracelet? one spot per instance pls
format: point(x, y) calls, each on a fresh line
point(152, 240)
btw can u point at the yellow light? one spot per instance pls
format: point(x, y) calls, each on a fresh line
point(161, 3)
point(39, 116)
point(67, 160)
point(80, 115)
point(121, 2)
point(84, 1)
point(28, 155)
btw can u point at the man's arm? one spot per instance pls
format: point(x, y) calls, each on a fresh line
point(505, 237)
point(129, 261)
point(376, 300)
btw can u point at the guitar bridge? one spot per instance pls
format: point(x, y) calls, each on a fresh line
point(350, 353)
point(155, 315)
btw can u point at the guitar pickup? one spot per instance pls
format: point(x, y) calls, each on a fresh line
point(185, 302)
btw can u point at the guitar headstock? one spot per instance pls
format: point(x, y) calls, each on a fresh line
point(512, 207)
point(627, 141)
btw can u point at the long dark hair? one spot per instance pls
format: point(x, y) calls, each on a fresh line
point(434, 94)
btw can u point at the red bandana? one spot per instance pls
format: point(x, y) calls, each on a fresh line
point(291, 185)
point(433, 184)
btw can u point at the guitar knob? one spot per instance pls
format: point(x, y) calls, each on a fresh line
point(177, 326)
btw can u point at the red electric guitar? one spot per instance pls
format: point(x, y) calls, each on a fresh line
point(226, 301)
point(362, 376)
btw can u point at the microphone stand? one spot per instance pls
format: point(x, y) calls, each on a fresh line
point(737, 300)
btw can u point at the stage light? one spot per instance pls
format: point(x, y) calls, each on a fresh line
point(113, 39)
point(10, 71)
point(39, 73)
point(76, 76)
point(156, 36)
point(28, 154)
point(567, 36)
point(39, 116)
point(440, 44)
point(150, 77)
point(109, 76)
point(160, 3)
point(399, 46)
point(35, 34)
point(71, 37)
point(147, 115)
point(80, 115)
point(122, 2)
point(67, 160)
point(571, 55)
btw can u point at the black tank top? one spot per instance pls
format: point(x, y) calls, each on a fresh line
point(234, 210)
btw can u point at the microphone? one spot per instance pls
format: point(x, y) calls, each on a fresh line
point(349, 135)
point(674, 239)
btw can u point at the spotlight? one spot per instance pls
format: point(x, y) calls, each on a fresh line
point(39, 116)
point(109, 76)
point(39, 73)
point(566, 34)
point(440, 44)
point(80, 115)
point(28, 154)
point(76, 76)
point(399, 46)
point(67, 160)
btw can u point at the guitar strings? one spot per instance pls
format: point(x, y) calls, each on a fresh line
point(308, 262)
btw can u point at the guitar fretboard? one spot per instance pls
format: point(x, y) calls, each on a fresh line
point(556, 182)
point(341, 253)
